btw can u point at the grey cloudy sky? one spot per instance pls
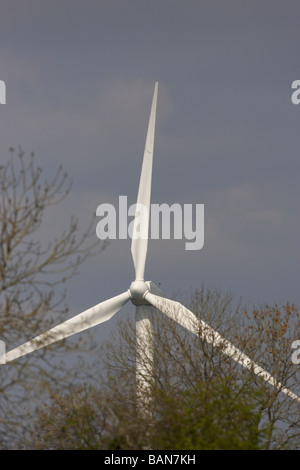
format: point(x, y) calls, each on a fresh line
point(80, 78)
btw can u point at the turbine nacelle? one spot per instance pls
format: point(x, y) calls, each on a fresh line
point(139, 289)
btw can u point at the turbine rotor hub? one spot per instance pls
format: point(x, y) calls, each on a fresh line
point(137, 290)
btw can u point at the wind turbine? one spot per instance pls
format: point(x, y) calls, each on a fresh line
point(146, 297)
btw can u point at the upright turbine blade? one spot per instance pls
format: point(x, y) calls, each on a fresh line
point(141, 222)
point(91, 317)
point(188, 320)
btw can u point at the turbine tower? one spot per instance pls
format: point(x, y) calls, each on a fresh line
point(147, 298)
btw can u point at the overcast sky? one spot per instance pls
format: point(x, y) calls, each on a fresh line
point(80, 78)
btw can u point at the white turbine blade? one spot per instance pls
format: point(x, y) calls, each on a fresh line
point(141, 222)
point(93, 316)
point(188, 320)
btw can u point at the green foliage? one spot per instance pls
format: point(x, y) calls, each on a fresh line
point(71, 421)
point(208, 416)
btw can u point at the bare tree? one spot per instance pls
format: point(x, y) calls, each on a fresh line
point(33, 273)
